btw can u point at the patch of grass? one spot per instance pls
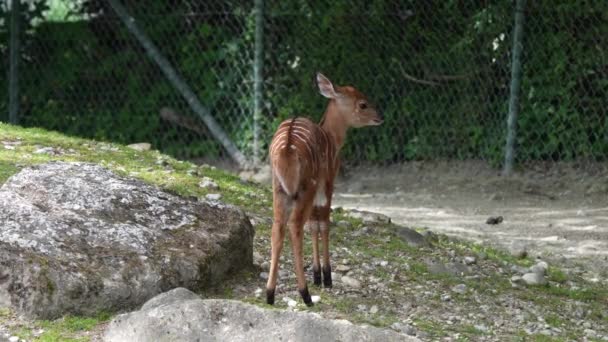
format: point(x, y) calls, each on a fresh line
point(554, 320)
point(434, 329)
point(523, 336)
point(557, 275)
point(418, 268)
point(470, 330)
point(595, 294)
point(383, 320)
point(175, 176)
point(465, 247)
point(68, 328)
point(6, 170)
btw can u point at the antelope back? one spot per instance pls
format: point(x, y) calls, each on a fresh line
point(306, 140)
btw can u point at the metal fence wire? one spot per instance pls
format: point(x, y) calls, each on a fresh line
point(212, 79)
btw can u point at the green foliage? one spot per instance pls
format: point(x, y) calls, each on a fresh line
point(92, 79)
point(565, 84)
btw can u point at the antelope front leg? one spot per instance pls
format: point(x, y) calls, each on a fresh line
point(326, 263)
point(319, 223)
point(324, 214)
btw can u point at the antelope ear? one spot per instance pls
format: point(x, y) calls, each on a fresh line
point(325, 87)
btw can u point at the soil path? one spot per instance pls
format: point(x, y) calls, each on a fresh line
point(559, 214)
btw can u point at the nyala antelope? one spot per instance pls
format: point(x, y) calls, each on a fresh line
point(304, 161)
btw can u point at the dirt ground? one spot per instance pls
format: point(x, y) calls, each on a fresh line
point(557, 211)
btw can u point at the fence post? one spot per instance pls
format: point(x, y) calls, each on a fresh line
point(179, 84)
point(13, 82)
point(258, 78)
point(518, 32)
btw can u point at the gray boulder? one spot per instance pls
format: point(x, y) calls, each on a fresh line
point(188, 319)
point(76, 238)
point(368, 217)
point(411, 237)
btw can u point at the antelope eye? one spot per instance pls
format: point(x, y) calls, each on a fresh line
point(362, 105)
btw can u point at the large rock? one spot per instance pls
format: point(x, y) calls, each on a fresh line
point(179, 316)
point(76, 238)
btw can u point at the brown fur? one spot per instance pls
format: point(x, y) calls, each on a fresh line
point(304, 160)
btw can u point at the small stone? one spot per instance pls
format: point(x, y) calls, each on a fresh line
point(470, 260)
point(315, 299)
point(140, 146)
point(516, 279)
point(534, 279)
point(213, 197)
point(13, 339)
point(342, 268)
point(264, 275)
point(369, 217)
point(383, 263)
point(404, 328)
point(546, 332)
point(540, 267)
point(519, 269)
point(586, 325)
point(208, 183)
point(589, 333)
point(290, 302)
point(258, 259)
point(263, 175)
point(373, 309)
point(446, 298)
point(460, 288)
point(494, 220)
point(258, 292)
point(362, 307)
point(351, 282)
point(246, 175)
point(481, 327)
point(335, 277)
point(44, 150)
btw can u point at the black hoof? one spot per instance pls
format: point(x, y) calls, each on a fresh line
point(270, 296)
point(306, 296)
point(316, 273)
point(327, 276)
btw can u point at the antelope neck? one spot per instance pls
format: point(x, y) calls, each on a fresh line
point(334, 124)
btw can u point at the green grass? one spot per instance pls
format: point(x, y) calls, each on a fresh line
point(557, 275)
point(554, 320)
point(175, 176)
point(68, 328)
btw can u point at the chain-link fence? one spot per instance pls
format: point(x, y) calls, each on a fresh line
point(440, 71)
